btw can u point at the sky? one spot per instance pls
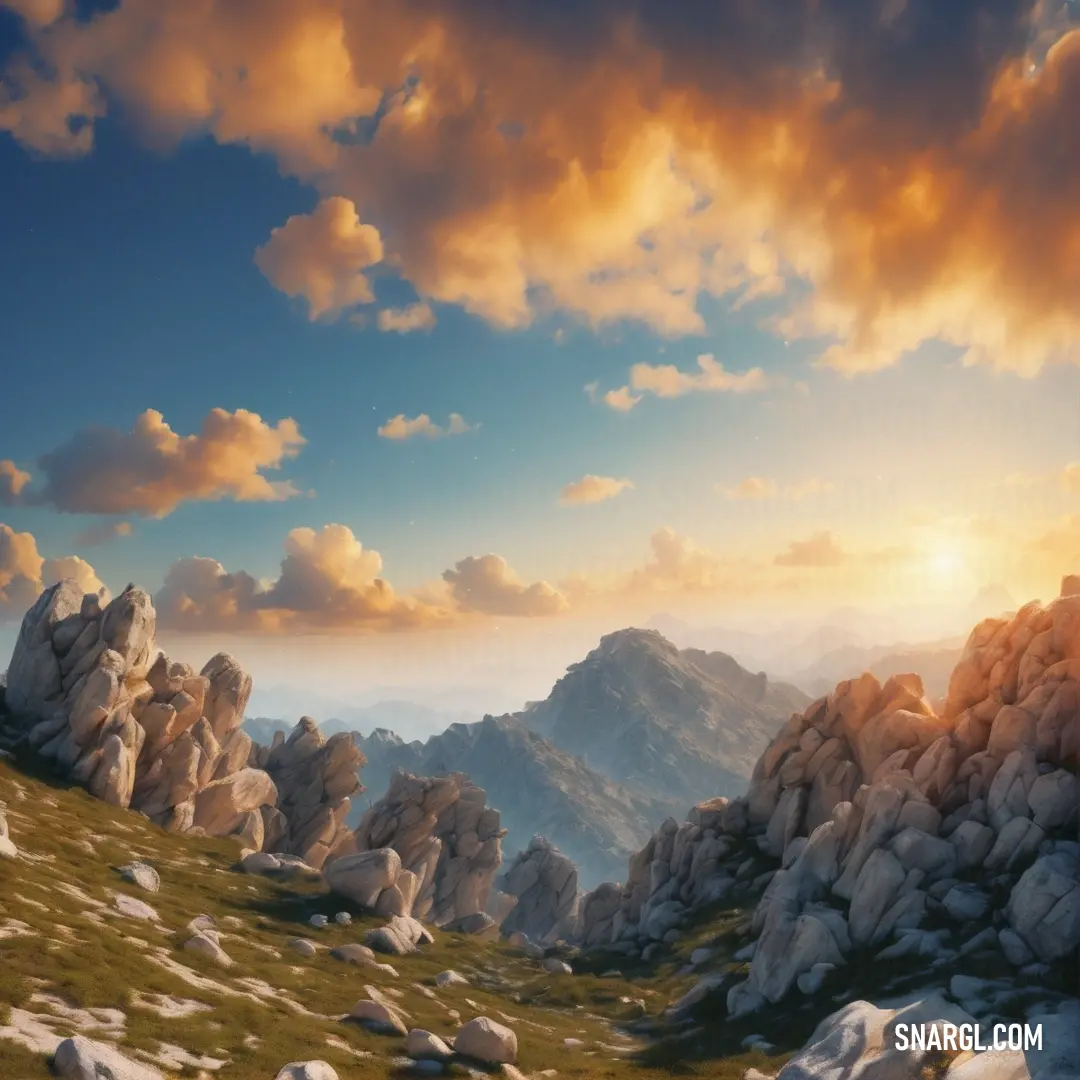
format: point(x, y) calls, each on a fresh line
point(402, 343)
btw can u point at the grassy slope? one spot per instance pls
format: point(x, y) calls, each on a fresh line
point(77, 948)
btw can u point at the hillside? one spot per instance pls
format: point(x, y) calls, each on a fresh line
point(672, 726)
point(538, 788)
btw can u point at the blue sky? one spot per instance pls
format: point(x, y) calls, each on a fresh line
point(130, 283)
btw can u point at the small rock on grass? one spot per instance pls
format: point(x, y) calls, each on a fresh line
point(307, 1070)
point(450, 978)
point(423, 1045)
point(141, 874)
point(487, 1041)
point(303, 946)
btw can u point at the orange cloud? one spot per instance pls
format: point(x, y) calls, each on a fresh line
point(400, 427)
point(821, 549)
point(678, 564)
point(321, 257)
point(911, 176)
point(592, 489)
point(407, 319)
point(667, 381)
point(12, 482)
point(151, 470)
point(487, 584)
point(24, 573)
point(328, 581)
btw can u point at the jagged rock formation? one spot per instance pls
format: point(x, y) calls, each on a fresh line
point(537, 787)
point(429, 848)
point(543, 884)
point(314, 778)
point(672, 726)
point(876, 815)
point(88, 690)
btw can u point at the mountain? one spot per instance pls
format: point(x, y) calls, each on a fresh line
point(537, 788)
point(933, 661)
point(671, 726)
point(280, 707)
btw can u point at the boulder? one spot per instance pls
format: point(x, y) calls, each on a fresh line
point(143, 875)
point(363, 876)
point(80, 1058)
point(485, 1040)
point(379, 1017)
point(424, 1046)
point(307, 1070)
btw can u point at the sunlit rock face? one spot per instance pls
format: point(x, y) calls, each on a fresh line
point(90, 692)
point(869, 813)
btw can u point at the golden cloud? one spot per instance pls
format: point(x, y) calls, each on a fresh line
point(328, 581)
point(151, 470)
point(24, 573)
point(321, 257)
point(667, 381)
point(593, 489)
point(406, 320)
point(487, 584)
point(622, 162)
point(12, 482)
point(401, 427)
point(821, 549)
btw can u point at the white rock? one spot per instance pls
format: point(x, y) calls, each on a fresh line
point(83, 1059)
point(307, 1070)
point(485, 1040)
point(379, 1017)
point(143, 875)
point(423, 1045)
point(450, 978)
point(303, 946)
point(134, 909)
point(555, 966)
point(363, 876)
point(205, 945)
point(261, 862)
point(343, 918)
point(318, 921)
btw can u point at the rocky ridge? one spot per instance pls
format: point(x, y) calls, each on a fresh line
point(875, 826)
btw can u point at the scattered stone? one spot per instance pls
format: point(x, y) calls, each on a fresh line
point(206, 944)
point(379, 1017)
point(421, 1044)
point(143, 875)
point(450, 978)
point(134, 909)
point(80, 1058)
point(307, 1070)
point(318, 921)
point(487, 1041)
point(303, 946)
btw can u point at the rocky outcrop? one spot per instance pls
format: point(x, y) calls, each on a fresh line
point(315, 778)
point(543, 884)
point(537, 787)
point(88, 690)
point(870, 814)
point(429, 848)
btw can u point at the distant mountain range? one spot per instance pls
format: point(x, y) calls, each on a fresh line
point(634, 733)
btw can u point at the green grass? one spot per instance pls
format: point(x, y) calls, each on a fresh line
point(90, 958)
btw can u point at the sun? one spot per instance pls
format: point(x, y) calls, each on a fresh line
point(946, 562)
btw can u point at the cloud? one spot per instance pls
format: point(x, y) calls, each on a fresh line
point(407, 319)
point(753, 487)
point(151, 470)
point(1070, 478)
point(401, 427)
point(892, 174)
point(103, 533)
point(321, 257)
point(821, 549)
point(667, 381)
point(592, 489)
point(24, 573)
point(328, 581)
point(678, 564)
point(764, 487)
point(487, 584)
point(12, 482)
